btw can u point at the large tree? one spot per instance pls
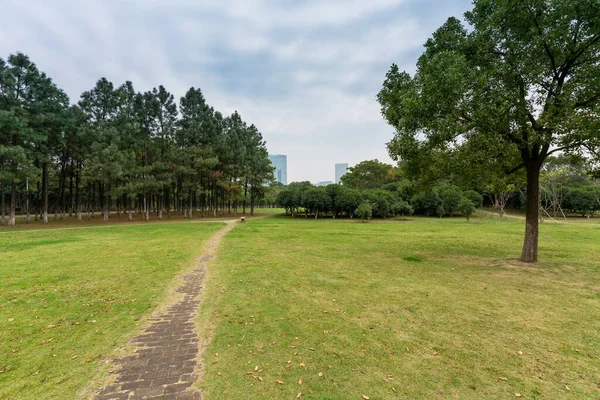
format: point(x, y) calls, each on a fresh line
point(521, 81)
point(369, 174)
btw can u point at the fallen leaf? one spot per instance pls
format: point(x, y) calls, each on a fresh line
point(320, 374)
point(74, 357)
point(260, 378)
point(501, 378)
point(566, 387)
point(299, 395)
point(11, 319)
point(279, 382)
point(256, 368)
point(365, 397)
point(520, 352)
point(518, 395)
point(300, 382)
point(219, 373)
point(302, 364)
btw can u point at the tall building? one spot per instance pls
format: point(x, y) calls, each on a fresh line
point(340, 170)
point(279, 161)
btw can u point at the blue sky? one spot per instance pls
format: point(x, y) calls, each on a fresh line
point(305, 72)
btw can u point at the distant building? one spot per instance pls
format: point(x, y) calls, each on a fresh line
point(340, 170)
point(279, 161)
point(324, 183)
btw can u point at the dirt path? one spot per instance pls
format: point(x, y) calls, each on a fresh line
point(164, 361)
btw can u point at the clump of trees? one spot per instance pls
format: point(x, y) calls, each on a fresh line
point(119, 150)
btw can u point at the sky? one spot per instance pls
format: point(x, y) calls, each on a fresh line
point(305, 72)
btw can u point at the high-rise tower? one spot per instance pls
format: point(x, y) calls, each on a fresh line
point(340, 170)
point(279, 161)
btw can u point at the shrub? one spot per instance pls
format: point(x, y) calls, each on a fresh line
point(364, 211)
point(475, 197)
point(466, 208)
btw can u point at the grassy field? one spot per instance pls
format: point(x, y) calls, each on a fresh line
point(70, 297)
point(423, 308)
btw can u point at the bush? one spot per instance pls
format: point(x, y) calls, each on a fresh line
point(475, 197)
point(402, 208)
point(466, 208)
point(364, 211)
point(426, 203)
point(451, 196)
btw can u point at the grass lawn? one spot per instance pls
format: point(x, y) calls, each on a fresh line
point(423, 308)
point(70, 297)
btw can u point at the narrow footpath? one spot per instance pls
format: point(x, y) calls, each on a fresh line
point(165, 356)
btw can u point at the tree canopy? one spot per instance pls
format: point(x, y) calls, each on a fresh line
point(369, 174)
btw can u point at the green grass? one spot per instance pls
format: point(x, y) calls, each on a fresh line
point(70, 298)
point(424, 308)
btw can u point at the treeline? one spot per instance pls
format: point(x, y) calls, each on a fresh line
point(119, 150)
point(392, 199)
point(375, 189)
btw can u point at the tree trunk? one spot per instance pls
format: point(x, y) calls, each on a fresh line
point(532, 212)
point(45, 191)
point(71, 196)
point(191, 204)
point(107, 205)
point(12, 218)
point(3, 205)
point(78, 191)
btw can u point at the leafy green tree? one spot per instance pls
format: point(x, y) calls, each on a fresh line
point(348, 200)
point(451, 197)
point(316, 200)
point(402, 208)
point(370, 174)
point(474, 197)
point(364, 211)
point(427, 202)
point(519, 83)
point(466, 208)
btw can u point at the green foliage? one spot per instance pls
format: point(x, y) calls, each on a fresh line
point(402, 208)
point(427, 202)
point(364, 211)
point(474, 197)
point(370, 174)
point(583, 200)
point(451, 197)
point(121, 149)
point(466, 207)
point(316, 200)
point(516, 85)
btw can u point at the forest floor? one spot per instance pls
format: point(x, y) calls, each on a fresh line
point(321, 309)
point(423, 308)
